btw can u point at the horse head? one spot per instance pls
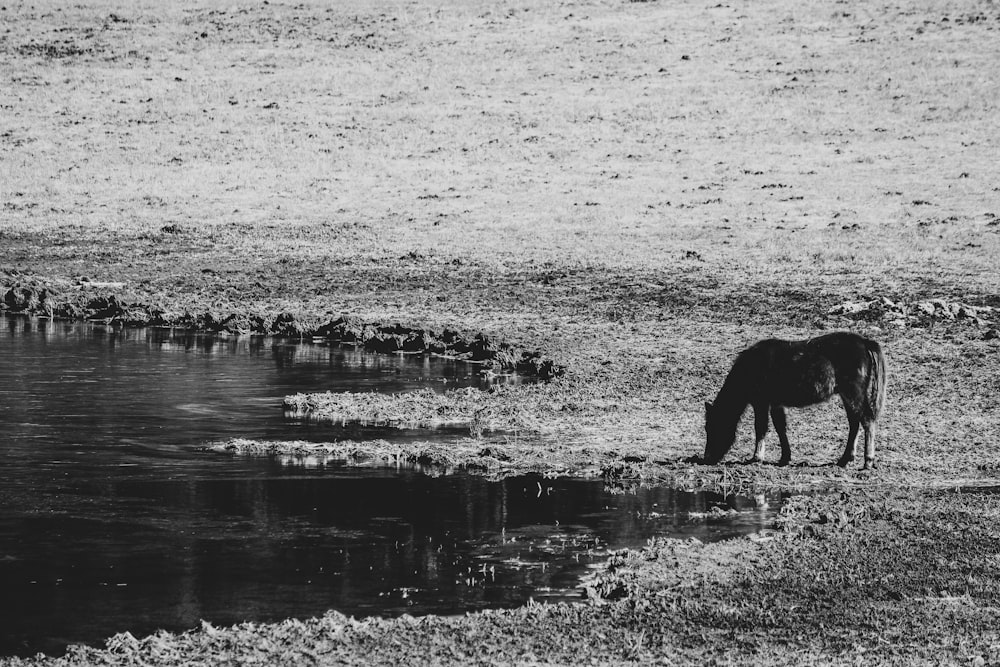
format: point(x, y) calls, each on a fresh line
point(719, 436)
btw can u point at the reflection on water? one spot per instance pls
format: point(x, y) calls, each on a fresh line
point(170, 391)
point(112, 519)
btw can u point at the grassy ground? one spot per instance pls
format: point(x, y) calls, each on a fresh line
point(636, 191)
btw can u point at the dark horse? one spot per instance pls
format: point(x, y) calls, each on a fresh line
point(774, 374)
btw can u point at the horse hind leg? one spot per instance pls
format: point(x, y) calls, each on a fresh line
point(858, 415)
point(869, 426)
point(781, 428)
point(852, 437)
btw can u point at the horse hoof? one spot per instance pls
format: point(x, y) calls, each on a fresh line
point(869, 464)
point(783, 462)
point(844, 461)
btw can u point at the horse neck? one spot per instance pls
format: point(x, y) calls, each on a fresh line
point(729, 404)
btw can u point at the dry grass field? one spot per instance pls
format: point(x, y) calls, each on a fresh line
point(634, 190)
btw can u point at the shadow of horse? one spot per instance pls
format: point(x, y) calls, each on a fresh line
point(774, 374)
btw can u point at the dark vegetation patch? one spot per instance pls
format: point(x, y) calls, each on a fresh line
point(273, 22)
point(67, 48)
point(63, 48)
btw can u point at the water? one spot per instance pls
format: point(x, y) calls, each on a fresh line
point(113, 518)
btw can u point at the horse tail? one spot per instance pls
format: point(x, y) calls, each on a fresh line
point(876, 380)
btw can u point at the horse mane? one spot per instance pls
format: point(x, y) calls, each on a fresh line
point(735, 390)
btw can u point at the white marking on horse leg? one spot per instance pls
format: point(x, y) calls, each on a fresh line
point(869, 445)
point(760, 430)
point(781, 428)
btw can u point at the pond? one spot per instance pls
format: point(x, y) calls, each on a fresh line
point(114, 518)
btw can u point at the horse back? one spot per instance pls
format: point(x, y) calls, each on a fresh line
point(796, 373)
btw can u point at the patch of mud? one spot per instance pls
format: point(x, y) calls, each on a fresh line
point(976, 490)
point(919, 313)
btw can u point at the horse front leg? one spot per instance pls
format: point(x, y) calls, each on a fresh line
point(852, 436)
point(760, 426)
point(781, 428)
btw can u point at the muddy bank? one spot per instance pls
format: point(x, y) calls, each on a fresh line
point(86, 300)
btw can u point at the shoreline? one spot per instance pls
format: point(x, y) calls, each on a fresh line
point(40, 299)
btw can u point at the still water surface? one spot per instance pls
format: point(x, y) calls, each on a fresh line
point(113, 518)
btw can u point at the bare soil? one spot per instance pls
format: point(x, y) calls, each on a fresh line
point(616, 196)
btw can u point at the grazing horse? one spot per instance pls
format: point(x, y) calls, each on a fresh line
point(774, 374)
